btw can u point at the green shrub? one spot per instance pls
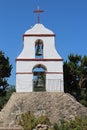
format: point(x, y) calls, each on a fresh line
point(43, 120)
point(28, 121)
point(83, 102)
point(80, 123)
point(56, 126)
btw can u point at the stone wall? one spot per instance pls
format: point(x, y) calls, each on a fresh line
point(54, 105)
point(10, 128)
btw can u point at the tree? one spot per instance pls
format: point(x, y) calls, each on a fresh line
point(5, 72)
point(5, 98)
point(83, 79)
point(75, 77)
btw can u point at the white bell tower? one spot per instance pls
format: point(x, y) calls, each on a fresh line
point(39, 67)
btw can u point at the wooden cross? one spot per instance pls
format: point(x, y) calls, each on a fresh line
point(38, 11)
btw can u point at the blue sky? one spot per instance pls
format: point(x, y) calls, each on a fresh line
point(66, 18)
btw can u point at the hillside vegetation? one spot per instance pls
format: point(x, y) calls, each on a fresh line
point(75, 77)
point(28, 121)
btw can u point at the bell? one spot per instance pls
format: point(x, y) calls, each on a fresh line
point(40, 82)
point(38, 51)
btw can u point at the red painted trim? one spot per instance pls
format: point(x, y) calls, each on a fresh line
point(45, 72)
point(21, 59)
point(54, 73)
point(24, 73)
point(39, 35)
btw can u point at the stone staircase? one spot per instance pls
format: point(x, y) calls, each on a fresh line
point(56, 105)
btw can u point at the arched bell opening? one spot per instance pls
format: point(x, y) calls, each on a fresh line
point(39, 78)
point(39, 48)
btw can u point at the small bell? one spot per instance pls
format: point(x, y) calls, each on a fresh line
point(38, 51)
point(40, 82)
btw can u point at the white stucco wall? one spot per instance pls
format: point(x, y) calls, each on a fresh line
point(39, 29)
point(27, 66)
point(54, 73)
point(54, 83)
point(49, 50)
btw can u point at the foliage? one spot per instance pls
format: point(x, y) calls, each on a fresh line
point(75, 77)
point(28, 121)
point(43, 120)
point(80, 123)
point(9, 91)
point(4, 99)
point(5, 72)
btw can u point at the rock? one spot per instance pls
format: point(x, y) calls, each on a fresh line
point(42, 127)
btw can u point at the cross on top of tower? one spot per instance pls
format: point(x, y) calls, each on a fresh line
point(38, 11)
